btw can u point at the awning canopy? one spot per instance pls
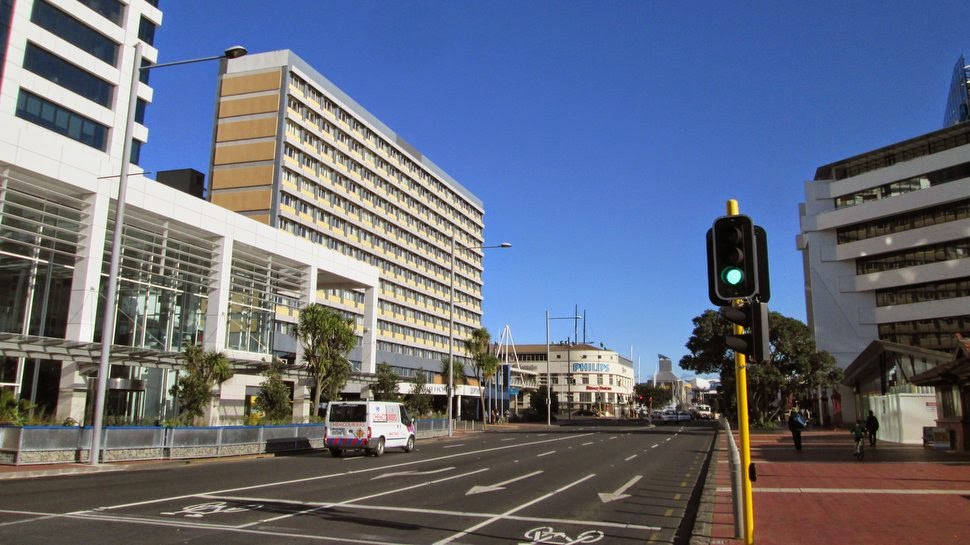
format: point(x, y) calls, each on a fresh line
point(88, 355)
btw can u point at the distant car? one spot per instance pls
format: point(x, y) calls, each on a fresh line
point(669, 415)
point(684, 416)
point(704, 412)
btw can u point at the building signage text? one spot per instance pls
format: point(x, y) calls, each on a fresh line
point(591, 368)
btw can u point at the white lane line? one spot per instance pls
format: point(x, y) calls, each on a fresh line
point(332, 475)
point(508, 439)
point(628, 458)
point(545, 454)
point(485, 523)
point(417, 511)
point(588, 443)
point(655, 446)
point(454, 446)
point(411, 473)
point(202, 526)
point(362, 498)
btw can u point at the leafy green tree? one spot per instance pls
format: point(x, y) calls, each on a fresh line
point(419, 401)
point(795, 367)
point(385, 389)
point(326, 338)
point(484, 362)
point(537, 402)
point(274, 395)
point(193, 389)
point(661, 396)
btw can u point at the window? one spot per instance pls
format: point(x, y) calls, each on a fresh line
point(140, 111)
point(75, 32)
point(112, 10)
point(146, 31)
point(947, 406)
point(53, 68)
point(61, 120)
point(348, 413)
point(135, 152)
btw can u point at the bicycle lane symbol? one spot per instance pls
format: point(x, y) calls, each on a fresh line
point(200, 510)
point(545, 534)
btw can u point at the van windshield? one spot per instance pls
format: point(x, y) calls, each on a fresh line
point(348, 413)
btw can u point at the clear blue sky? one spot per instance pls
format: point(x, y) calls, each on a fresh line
point(602, 137)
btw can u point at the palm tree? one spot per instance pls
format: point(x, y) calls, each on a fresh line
point(484, 362)
point(326, 338)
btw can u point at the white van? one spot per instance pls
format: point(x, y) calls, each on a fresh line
point(367, 425)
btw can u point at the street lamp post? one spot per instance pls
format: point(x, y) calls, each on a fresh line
point(575, 318)
point(451, 327)
point(108, 318)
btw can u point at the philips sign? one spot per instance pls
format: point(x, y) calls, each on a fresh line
point(591, 368)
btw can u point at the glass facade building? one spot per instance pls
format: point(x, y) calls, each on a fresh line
point(958, 99)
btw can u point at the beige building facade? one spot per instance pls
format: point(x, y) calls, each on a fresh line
point(585, 379)
point(294, 152)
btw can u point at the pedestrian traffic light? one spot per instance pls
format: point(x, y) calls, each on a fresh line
point(753, 344)
point(732, 260)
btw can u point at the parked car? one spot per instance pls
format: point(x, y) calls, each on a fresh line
point(684, 416)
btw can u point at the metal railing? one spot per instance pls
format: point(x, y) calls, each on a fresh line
point(22, 445)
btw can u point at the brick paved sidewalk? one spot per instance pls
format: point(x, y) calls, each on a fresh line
point(899, 494)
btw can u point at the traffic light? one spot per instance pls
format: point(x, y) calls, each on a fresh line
point(732, 259)
point(753, 344)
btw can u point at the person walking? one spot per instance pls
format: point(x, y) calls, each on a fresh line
point(858, 435)
point(796, 423)
point(872, 426)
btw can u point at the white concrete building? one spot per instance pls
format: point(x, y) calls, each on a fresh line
point(191, 271)
point(885, 237)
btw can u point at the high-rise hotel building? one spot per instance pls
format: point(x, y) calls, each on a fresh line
point(293, 151)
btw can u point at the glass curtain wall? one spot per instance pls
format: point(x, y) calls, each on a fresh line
point(39, 233)
point(163, 286)
point(260, 287)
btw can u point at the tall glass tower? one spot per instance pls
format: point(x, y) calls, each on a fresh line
point(958, 100)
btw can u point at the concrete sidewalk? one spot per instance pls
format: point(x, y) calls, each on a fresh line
point(899, 494)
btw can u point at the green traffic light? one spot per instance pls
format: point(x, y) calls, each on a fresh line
point(732, 276)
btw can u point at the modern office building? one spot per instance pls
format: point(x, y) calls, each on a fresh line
point(292, 151)
point(885, 238)
point(585, 379)
point(191, 272)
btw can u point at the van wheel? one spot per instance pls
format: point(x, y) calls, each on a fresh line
point(410, 444)
point(379, 449)
point(336, 452)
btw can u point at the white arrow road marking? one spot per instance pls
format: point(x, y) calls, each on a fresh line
point(499, 486)
point(397, 473)
point(607, 497)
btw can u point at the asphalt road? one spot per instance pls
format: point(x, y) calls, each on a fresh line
point(564, 485)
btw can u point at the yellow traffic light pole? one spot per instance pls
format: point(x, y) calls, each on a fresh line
point(741, 376)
